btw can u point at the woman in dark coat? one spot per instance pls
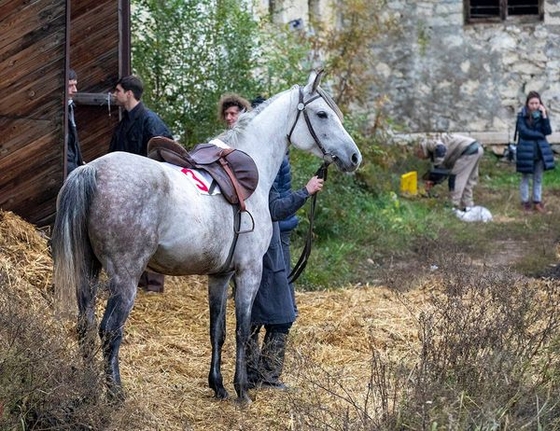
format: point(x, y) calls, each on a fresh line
point(274, 306)
point(534, 155)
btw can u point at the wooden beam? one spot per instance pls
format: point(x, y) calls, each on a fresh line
point(94, 99)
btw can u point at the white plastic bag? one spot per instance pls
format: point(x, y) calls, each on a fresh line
point(474, 214)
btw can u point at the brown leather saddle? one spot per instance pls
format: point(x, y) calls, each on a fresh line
point(233, 170)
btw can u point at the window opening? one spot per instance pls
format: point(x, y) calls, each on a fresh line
point(500, 10)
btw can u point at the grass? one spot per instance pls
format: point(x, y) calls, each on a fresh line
point(359, 229)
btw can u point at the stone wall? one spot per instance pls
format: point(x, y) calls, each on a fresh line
point(441, 74)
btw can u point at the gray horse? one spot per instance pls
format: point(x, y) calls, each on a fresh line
point(124, 213)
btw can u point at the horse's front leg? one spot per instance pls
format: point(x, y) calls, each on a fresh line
point(118, 308)
point(217, 301)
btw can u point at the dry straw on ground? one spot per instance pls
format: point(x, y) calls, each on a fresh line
point(166, 352)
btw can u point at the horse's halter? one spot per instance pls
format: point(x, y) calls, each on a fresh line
point(321, 173)
point(329, 158)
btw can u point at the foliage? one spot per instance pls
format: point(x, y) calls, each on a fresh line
point(42, 385)
point(344, 48)
point(361, 230)
point(188, 53)
point(282, 59)
point(488, 351)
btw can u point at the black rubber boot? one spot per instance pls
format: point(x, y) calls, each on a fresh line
point(252, 356)
point(272, 360)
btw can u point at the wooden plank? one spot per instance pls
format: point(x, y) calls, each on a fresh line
point(29, 24)
point(96, 60)
point(32, 62)
point(486, 138)
point(94, 99)
point(33, 54)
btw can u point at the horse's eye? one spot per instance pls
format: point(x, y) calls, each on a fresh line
point(322, 114)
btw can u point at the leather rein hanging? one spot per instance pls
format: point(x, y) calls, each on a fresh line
point(321, 173)
point(302, 261)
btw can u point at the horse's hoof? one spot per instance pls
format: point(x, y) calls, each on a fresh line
point(116, 396)
point(244, 400)
point(221, 394)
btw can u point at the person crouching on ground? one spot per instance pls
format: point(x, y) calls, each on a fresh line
point(460, 155)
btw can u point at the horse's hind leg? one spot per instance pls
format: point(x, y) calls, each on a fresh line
point(87, 323)
point(86, 295)
point(246, 289)
point(118, 308)
point(217, 299)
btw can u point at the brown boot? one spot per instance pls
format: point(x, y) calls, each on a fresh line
point(151, 282)
point(539, 207)
point(527, 207)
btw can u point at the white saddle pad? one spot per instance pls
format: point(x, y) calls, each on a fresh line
point(202, 180)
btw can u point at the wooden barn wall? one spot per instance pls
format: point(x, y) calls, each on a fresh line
point(32, 88)
point(95, 55)
point(39, 39)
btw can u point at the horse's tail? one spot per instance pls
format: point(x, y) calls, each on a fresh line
point(70, 242)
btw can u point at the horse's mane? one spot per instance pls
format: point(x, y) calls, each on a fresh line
point(232, 135)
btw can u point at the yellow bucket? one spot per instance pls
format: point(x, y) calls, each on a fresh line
point(409, 183)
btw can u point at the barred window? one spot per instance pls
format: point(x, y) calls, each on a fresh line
point(501, 10)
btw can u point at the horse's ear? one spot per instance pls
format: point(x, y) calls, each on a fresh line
point(314, 80)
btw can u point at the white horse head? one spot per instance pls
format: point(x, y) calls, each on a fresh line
point(320, 131)
point(313, 122)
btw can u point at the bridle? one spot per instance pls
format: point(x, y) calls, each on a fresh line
point(321, 173)
point(327, 156)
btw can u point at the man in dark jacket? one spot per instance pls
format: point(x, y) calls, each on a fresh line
point(73, 151)
point(137, 126)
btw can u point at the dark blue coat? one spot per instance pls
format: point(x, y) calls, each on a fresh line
point(274, 303)
point(532, 144)
point(283, 185)
point(135, 129)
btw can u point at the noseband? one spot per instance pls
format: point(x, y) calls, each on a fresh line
point(301, 108)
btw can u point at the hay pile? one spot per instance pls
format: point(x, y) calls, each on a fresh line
point(166, 352)
point(25, 261)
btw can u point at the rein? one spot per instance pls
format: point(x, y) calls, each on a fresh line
point(302, 261)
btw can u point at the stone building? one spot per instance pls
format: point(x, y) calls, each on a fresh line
point(460, 66)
